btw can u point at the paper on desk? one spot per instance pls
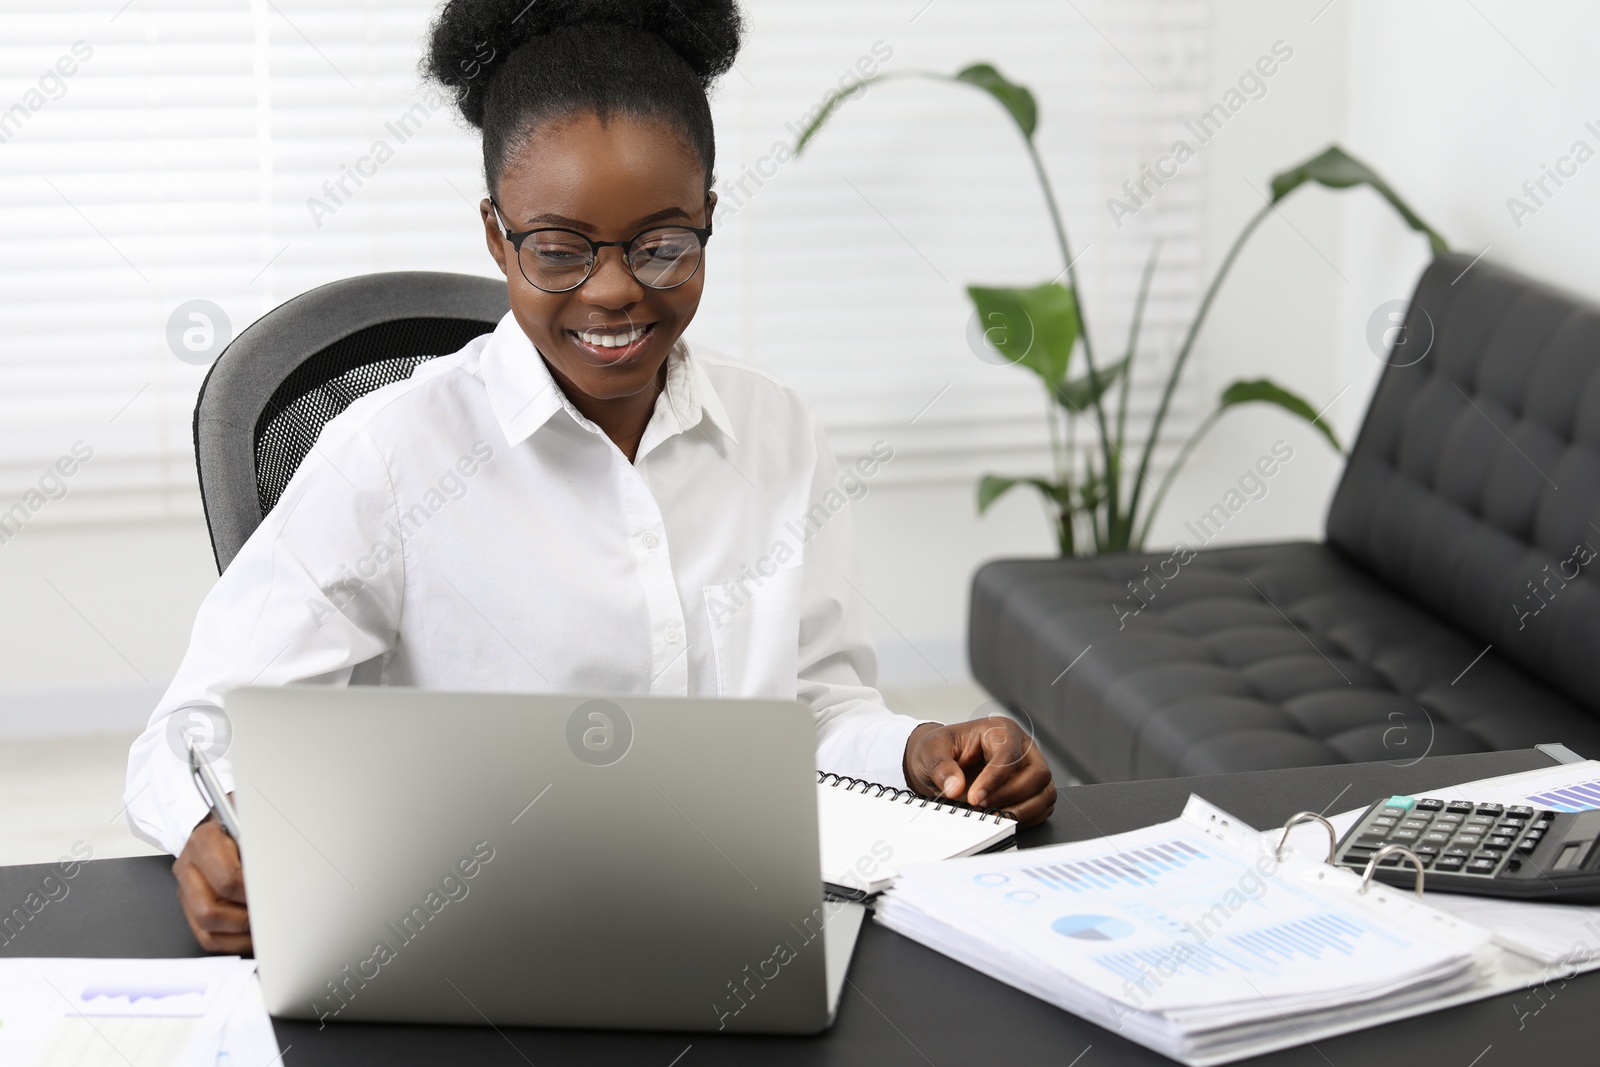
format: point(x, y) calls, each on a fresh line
point(1565, 787)
point(119, 1013)
point(1553, 934)
point(1187, 937)
point(247, 1038)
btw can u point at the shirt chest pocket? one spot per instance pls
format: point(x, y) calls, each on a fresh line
point(755, 634)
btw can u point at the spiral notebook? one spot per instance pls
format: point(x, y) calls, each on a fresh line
point(869, 831)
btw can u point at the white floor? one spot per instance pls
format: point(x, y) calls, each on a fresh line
point(56, 792)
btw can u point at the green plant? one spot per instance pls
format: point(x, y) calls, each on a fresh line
point(1098, 503)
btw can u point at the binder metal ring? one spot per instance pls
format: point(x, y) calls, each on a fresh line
point(1307, 816)
point(1391, 850)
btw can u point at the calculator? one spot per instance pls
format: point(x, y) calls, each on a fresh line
point(1487, 849)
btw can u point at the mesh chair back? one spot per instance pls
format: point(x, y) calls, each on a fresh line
point(269, 394)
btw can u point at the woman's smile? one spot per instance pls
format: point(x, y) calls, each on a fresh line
point(613, 345)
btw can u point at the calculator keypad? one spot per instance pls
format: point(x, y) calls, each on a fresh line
point(1455, 837)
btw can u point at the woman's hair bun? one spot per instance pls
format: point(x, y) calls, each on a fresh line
point(471, 39)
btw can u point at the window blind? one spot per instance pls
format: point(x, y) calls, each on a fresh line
point(172, 169)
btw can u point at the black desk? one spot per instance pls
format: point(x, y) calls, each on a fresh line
point(905, 1004)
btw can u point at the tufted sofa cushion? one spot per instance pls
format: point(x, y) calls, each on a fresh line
point(1451, 610)
point(1474, 488)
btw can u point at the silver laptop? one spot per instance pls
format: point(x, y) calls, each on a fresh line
point(536, 860)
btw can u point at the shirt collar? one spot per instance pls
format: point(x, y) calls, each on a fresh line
point(689, 394)
point(524, 396)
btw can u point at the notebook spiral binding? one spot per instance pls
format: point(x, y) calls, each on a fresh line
point(906, 796)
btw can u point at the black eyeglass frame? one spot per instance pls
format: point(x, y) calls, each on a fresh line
point(703, 234)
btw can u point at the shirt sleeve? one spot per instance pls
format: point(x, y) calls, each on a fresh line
point(857, 735)
point(313, 593)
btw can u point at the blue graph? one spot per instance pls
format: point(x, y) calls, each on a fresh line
point(1092, 927)
point(1133, 867)
point(1585, 796)
point(1314, 936)
point(1258, 951)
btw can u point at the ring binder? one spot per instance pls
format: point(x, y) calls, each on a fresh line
point(1307, 816)
point(907, 796)
point(1391, 850)
point(1354, 960)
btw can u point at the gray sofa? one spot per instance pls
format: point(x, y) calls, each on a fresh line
point(1451, 607)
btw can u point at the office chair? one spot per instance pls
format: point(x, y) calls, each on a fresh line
point(267, 397)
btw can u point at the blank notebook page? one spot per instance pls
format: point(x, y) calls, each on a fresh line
point(869, 831)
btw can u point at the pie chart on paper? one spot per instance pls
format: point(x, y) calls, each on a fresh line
point(1092, 927)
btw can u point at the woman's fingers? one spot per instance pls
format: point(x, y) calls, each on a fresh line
point(1007, 752)
point(931, 762)
point(1029, 780)
point(211, 890)
point(217, 856)
point(1035, 809)
point(1011, 772)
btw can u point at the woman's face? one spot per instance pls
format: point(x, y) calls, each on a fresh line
point(607, 182)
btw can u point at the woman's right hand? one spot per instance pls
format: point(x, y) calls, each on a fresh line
point(211, 889)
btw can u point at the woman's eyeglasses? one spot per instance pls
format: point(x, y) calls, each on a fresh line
point(558, 261)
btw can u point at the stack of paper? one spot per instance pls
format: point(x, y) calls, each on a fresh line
point(1190, 938)
point(133, 1013)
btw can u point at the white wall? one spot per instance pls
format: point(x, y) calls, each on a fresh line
point(1278, 311)
point(1463, 106)
point(1456, 105)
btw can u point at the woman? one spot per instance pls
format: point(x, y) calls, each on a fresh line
point(575, 501)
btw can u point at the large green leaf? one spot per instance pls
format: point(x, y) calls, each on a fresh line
point(1016, 99)
point(1080, 393)
point(992, 487)
point(1260, 390)
point(1035, 327)
point(830, 104)
point(1337, 169)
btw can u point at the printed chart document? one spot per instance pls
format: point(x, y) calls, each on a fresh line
point(133, 1013)
point(1566, 787)
point(1191, 938)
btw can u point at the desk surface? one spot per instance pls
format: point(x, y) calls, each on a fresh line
point(904, 1004)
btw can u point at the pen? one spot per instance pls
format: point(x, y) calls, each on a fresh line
point(214, 794)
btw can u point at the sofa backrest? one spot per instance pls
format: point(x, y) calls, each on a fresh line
point(1474, 486)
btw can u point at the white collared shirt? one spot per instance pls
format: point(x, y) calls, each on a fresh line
point(470, 529)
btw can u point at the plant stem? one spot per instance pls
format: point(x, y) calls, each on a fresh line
point(1124, 529)
point(1183, 356)
point(1083, 328)
point(1058, 459)
point(1172, 473)
point(1058, 451)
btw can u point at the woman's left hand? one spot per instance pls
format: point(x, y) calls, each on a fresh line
point(988, 763)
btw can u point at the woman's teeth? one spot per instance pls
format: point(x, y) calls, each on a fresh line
point(612, 340)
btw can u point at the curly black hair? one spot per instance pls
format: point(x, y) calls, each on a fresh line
point(513, 64)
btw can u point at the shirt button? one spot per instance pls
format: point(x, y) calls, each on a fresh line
point(672, 635)
point(649, 540)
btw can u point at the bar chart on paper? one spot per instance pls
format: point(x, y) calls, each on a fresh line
point(1568, 787)
point(1583, 796)
point(1261, 951)
point(1171, 904)
point(132, 1013)
point(1131, 867)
